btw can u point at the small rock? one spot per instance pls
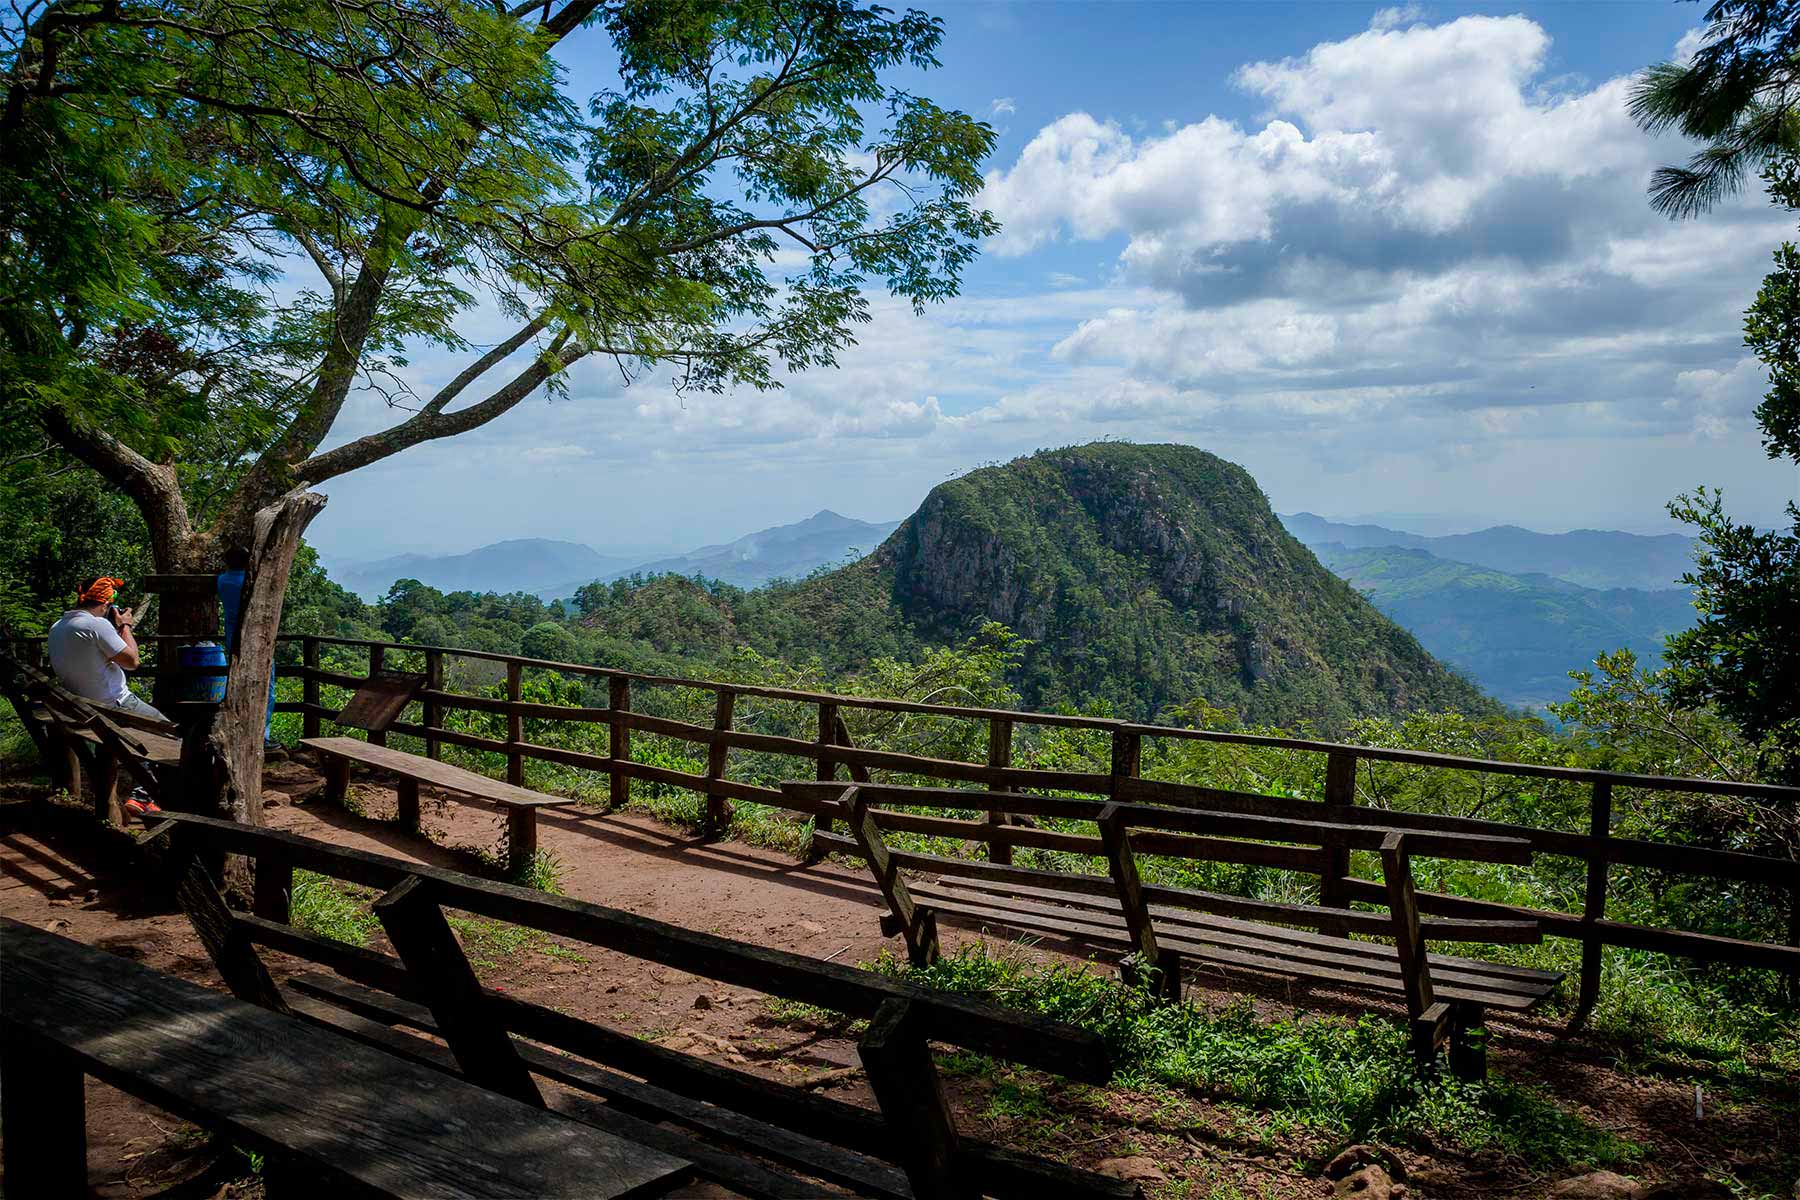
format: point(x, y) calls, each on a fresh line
point(1368, 1183)
point(55, 926)
point(1360, 1155)
point(811, 926)
point(703, 1001)
point(1598, 1185)
point(1137, 1169)
point(62, 903)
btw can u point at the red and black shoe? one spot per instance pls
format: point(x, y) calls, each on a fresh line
point(140, 805)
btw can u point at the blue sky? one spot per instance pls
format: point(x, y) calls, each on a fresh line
point(1396, 262)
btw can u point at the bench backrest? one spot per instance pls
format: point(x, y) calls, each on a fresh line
point(914, 1129)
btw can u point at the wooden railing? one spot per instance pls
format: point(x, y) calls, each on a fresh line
point(831, 750)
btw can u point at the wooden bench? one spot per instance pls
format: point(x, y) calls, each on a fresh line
point(356, 1121)
point(1163, 930)
point(120, 747)
point(521, 805)
point(756, 1136)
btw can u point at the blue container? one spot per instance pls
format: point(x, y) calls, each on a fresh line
point(192, 661)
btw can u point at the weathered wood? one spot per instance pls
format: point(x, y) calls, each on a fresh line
point(433, 716)
point(109, 808)
point(1415, 972)
point(364, 1122)
point(618, 743)
point(43, 1116)
point(1153, 970)
point(859, 770)
point(907, 1086)
point(999, 756)
point(377, 665)
point(718, 804)
point(274, 887)
point(827, 766)
point(438, 774)
point(379, 702)
point(233, 954)
point(1340, 793)
point(521, 839)
point(406, 803)
point(415, 925)
point(515, 725)
point(1025, 1038)
point(309, 687)
point(1594, 902)
point(336, 770)
point(917, 926)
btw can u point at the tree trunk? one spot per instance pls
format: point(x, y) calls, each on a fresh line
point(237, 734)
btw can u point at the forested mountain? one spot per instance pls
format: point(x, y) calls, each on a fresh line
point(1143, 576)
point(1518, 636)
point(1593, 558)
point(782, 552)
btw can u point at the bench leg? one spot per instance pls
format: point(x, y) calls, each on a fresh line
point(107, 805)
point(521, 839)
point(65, 764)
point(1468, 1042)
point(408, 792)
point(337, 778)
point(43, 1119)
point(910, 1093)
point(1428, 1030)
point(273, 888)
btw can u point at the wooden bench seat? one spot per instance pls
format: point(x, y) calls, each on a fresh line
point(762, 1138)
point(520, 804)
point(1162, 931)
point(1252, 945)
point(82, 743)
point(358, 1121)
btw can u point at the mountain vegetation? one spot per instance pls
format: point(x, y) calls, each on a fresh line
point(1517, 636)
point(527, 564)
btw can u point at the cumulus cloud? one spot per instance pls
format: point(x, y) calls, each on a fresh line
point(1421, 232)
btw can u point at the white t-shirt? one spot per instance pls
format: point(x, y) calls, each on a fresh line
point(81, 649)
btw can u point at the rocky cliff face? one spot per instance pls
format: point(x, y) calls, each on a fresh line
point(1152, 576)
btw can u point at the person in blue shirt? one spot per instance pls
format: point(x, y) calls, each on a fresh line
point(231, 614)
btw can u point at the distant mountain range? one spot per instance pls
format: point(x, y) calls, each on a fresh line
point(518, 565)
point(1593, 558)
point(1518, 636)
point(555, 570)
point(783, 552)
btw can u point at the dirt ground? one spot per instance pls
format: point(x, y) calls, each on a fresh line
point(61, 875)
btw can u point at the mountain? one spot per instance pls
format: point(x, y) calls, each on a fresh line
point(519, 565)
point(783, 552)
point(1593, 558)
point(1518, 636)
point(1144, 576)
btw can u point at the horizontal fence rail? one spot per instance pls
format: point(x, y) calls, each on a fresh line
point(831, 755)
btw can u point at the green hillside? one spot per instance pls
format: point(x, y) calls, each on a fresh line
point(1143, 576)
point(1516, 635)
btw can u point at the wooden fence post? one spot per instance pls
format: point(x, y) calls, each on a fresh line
point(1340, 791)
point(618, 742)
point(434, 712)
point(273, 887)
point(377, 663)
point(232, 953)
point(1162, 971)
point(415, 924)
point(910, 1093)
point(828, 719)
point(1593, 907)
point(515, 725)
point(1127, 759)
point(1000, 732)
point(718, 804)
point(309, 686)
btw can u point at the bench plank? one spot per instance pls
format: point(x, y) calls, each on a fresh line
point(373, 1124)
point(438, 774)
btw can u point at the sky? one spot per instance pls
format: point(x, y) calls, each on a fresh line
point(1396, 262)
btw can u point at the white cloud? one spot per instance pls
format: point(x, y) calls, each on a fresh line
point(1003, 107)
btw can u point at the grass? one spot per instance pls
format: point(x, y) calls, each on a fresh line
point(1346, 1079)
point(332, 909)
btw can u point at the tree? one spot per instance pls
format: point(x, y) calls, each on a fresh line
point(1743, 655)
point(1737, 94)
point(165, 160)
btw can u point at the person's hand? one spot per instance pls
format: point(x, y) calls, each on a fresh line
point(122, 618)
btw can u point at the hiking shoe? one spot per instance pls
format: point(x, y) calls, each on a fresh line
point(140, 805)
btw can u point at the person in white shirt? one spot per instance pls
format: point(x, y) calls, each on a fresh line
point(92, 646)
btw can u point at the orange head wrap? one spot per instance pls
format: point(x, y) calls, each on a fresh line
point(101, 591)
